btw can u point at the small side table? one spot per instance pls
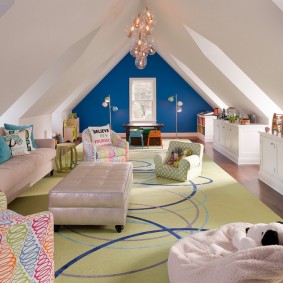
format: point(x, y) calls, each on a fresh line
point(68, 152)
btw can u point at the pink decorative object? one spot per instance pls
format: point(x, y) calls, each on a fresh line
point(267, 129)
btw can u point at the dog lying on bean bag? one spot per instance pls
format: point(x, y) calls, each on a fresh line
point(259, 235)
point(212, 257)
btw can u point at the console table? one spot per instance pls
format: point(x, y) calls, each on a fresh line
point(146, 127)
point(240, 143)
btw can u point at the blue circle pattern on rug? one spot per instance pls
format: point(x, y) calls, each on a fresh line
point(151, 181)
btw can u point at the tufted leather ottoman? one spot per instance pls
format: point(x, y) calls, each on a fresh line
point(93, 194)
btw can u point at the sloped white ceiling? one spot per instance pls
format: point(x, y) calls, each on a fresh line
point(53, 52)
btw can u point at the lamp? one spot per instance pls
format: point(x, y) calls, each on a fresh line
point(107, 102)
point(140, 32)
point(178, 108)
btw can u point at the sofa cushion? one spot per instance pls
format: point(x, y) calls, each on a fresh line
point(5, 150)
point(17, 143)
point(21, 166)
point(17, 127)
point(100, 135)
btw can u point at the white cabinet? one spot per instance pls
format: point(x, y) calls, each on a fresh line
point(232, 139)
point(240, 143)
point(271, 161)
point(205, 127)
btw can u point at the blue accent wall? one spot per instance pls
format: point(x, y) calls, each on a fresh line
point(116, 83)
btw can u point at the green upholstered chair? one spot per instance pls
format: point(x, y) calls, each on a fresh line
point(189, 167)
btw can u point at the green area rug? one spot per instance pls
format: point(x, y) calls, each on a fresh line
point(161, 211)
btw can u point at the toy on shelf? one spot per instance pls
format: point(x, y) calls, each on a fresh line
point(276, 127)
point(71, 129)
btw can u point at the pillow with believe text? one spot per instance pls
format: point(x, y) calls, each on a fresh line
point(100, 135)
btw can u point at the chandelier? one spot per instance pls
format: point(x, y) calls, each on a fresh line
point(141, 34)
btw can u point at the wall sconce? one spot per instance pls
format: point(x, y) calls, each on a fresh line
point(107, 103)
point(178, 106)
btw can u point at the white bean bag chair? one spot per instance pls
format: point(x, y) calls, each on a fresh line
point(211, 257)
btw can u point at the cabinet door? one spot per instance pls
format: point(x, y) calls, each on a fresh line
point(279, 157)
point(216, 132)
point(222, 135)
point(233, 138)
point(268, 155)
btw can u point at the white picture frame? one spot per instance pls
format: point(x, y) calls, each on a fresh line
point(142, 100)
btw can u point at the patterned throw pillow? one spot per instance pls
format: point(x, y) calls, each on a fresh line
point(17, 127)
point(101, 135)
point(27, 132)
point(17, 143)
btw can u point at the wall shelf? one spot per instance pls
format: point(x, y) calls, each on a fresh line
point(205, 127)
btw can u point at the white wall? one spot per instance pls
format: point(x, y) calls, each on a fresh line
point(58, 118)
point(42, 125)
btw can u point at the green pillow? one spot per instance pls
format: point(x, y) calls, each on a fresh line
point(16, 127)
point(176, 163)
point(5, 151)
point(189, 152)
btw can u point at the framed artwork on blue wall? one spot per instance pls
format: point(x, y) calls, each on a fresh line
point(142, 100)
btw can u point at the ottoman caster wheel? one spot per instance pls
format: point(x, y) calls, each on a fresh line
point(119, 228)
point(57, 228)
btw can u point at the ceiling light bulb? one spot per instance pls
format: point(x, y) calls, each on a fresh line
point(151, 50)
point(148, 13)
point(140, 62)
point(147, 29)
point(137, 21)
point(131, 31)
point(139, 45)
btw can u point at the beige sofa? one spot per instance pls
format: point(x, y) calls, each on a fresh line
point(22, 171)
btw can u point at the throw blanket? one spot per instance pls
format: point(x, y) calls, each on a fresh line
point(211, 257)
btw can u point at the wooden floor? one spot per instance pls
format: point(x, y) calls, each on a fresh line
point(247, 176)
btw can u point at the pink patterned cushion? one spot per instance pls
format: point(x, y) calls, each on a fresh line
point(109, 151)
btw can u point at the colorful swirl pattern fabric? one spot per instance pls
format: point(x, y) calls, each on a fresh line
point(118, 151)
point(26, 247)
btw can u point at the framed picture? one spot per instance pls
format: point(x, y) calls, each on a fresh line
point(142, 100)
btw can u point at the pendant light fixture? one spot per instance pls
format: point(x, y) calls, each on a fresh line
point(141, 34)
